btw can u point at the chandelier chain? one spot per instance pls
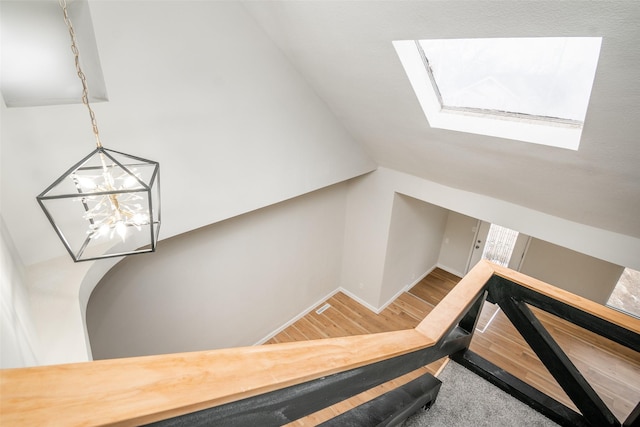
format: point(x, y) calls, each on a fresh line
point(83, 79)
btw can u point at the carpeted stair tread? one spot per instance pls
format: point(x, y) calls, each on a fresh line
point(465, 399)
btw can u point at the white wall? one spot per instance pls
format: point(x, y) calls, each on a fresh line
point(606, 245)
point(415, 234)
point(580, 274)
point(18, 339)
point(367, 221)
point(57, 310)
point(226, 285)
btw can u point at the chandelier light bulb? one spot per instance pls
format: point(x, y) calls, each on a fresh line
point(107, 204)
point(110, 212)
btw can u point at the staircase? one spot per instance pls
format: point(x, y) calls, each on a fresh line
point(465, 400)
point(277, 384)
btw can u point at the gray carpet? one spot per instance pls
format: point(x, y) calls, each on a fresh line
point(467, 400)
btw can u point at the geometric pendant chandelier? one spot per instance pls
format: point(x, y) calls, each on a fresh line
point(108, 204)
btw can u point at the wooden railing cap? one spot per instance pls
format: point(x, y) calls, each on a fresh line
point(140, 390)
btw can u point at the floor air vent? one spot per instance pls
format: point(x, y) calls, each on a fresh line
point(323, 308)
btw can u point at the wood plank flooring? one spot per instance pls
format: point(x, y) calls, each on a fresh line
point(613, 370)
point(347, 317)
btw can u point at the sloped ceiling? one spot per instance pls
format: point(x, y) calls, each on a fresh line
point(200, 87)
point(344, 50)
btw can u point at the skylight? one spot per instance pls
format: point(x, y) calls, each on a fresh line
point(530, 89)
point(36, 62)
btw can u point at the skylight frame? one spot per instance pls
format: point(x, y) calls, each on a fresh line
point(36, 62)
point(551, 131)
point(487, 111)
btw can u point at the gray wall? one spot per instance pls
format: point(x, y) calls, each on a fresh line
point(226, 285)
point(578, 273)
point(415, 234)
point(235, 282)
point(390, 238)
point(456, 244)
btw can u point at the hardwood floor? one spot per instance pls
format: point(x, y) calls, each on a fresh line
point(347, 317)
point(612, 370)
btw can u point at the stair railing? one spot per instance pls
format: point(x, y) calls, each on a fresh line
point(515, 293)
point(278, 383)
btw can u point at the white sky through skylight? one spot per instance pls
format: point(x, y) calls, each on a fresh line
point(544, 76)
point(533, 90)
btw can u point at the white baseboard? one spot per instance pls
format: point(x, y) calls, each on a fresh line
point(298, 317)
point(392, 299)
point(405, 289)
point(415, 282)
point(357, 299)
point(450, 270)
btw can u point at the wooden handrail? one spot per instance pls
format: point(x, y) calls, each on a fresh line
point(613, 316)
point(436, 324)
point(138, 390)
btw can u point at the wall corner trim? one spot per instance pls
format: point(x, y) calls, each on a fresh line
point(450, 270)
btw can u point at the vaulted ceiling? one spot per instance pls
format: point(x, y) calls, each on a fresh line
point(344, 50)
point(171, 71)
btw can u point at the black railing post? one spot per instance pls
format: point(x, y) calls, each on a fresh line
point(555, 360)
point(522, 391)
point(633, 420)
point(285, 405)
point(470, 320)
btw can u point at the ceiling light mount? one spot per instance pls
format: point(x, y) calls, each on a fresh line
point(107, 204)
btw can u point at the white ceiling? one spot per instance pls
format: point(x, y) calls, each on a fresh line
point(344, 50)
point(167, 68)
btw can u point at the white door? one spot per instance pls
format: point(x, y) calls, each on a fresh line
point(499, 245)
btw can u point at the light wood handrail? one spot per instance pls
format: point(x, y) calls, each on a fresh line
point(138, 390)
point(436, 324)
point(610, 315)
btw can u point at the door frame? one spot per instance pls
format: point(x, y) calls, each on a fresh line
point(521, 247)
